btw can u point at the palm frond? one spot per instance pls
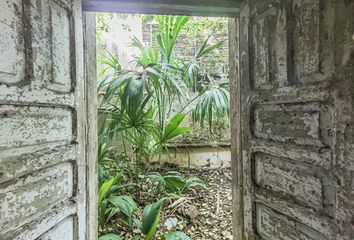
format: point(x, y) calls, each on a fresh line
point(213, 105)
point(192, 69)
point(170, 29)
point(148, 54)
point(110, 62)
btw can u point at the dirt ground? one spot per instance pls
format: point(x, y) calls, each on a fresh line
point(201, 214)
point(207, 214)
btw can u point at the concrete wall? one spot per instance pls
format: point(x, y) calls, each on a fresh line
point(197, 156)
point(118, 39)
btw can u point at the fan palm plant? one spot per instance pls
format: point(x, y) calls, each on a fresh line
point(213, 105)
point(170, 28)
point(110, 63)
point(141, 100)
point(132, 95)
point(192, 68)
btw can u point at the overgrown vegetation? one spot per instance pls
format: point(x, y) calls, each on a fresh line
point(140, 108)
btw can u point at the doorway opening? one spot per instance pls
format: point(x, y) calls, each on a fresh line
point(163, 117)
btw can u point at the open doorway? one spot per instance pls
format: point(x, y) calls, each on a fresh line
point(164, 138)
point(292, 116)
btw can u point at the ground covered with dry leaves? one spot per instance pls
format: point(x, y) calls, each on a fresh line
point(205, 214)
point(201, 214)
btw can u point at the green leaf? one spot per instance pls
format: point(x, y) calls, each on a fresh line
point(162, 183)
point(211, 48)
point(175, 183)
point(102, 213)
point(125, 204)
point(177, 132)
point(110, 212)
point(151, 218)
point(194, 182)
point(122, 205)
point(175, 236)
point(103, 175)
point(130, 201)
point(106, 186)
point(174, 122)
point(213, 106)
point(170, 28)
point(172, 129)
point(110, 236)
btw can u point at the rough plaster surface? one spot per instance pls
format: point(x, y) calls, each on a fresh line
point(294, 174)
point(198, 157)
point(42, 170)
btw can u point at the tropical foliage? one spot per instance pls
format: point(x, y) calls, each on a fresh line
point(174, 182)
point(139, 102)
point(213, 105)
point(140, 107)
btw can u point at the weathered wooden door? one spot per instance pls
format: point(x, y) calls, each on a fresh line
point(292, 72)
point(42, 154)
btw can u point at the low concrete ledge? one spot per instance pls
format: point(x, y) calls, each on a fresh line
point(198, 156)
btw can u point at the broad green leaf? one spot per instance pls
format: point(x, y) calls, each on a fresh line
point(106, 186)
point(173, 129)
point(174, 122)
point(102, 213)
point(110, 236)
point(194, 182)
point(125, 204)
point(122, 205)
point(151, 218)
point(130, 201)
point(175, 183)
point(177, 132)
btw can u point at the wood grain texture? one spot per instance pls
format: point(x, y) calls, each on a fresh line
point(42, 151)
point(217, 8)
point(235, 126)
point(296, 112)
point(91, 123)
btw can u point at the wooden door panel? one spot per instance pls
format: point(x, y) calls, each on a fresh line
point(287, 119)
point(312, 35)
point(12, 68)
point(268, 43)
point(42, 165)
